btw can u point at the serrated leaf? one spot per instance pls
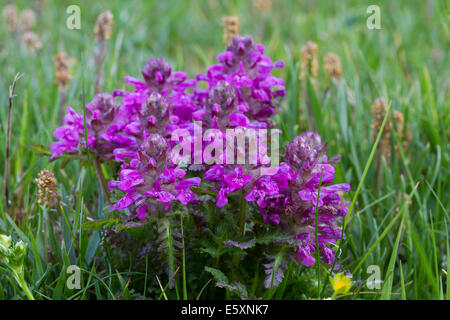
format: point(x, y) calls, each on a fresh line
point(217, 274)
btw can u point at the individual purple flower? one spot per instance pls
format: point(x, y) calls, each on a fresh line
point(230, 183)
point(69, 135)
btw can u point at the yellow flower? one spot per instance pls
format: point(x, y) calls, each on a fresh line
point(341, 283)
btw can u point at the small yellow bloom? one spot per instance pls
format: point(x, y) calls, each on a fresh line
point(341, 283)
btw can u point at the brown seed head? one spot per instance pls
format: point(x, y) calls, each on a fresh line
point(10, 16)
point(262, 5)
point(231, 28)
point(309, 59)
point(32, 41)
point(27, 19)
point(332, 66)
point(103, 26)
point(310, 49)
point(62, 70)
point(379, 109)
point(46, 183)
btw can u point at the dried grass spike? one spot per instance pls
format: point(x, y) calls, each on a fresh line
point(379, 109)
point(62, 70)
point(402, 135)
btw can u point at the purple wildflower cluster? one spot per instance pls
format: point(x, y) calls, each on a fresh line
point(241, 93)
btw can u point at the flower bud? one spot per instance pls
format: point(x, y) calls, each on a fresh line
point(304, 150)
point(17, 255)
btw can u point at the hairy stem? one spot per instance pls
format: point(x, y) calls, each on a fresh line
point(317, 235)
point(242, 215)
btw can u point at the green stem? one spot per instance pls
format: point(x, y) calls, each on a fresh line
point(242, 215)
point(358, 189)
point(101, 178)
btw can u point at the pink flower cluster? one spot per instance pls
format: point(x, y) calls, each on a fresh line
point(135, 128)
